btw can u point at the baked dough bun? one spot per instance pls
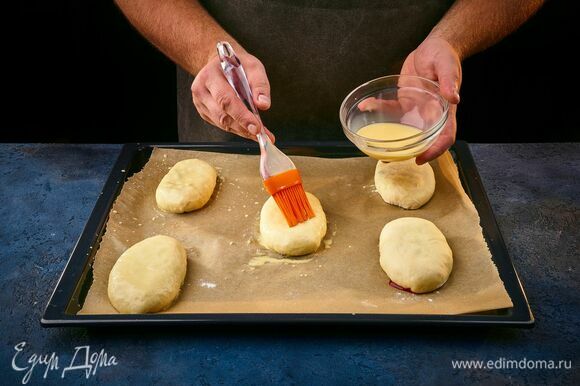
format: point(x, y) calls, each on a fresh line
point(304, 238)
point(147, 277)
point(404, 183)
point(187, 186)
point(415, 254)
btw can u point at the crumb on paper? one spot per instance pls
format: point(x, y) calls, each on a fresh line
point(366, 303)
point(207, 284)
point(327, 243)
point(261, 259)
point(231, 243)
point(114, 211)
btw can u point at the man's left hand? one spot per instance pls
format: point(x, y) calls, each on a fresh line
point(437, 60)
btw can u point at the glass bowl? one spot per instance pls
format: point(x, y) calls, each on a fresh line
point(395, 117)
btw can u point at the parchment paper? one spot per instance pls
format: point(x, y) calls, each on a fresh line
point(224, 274)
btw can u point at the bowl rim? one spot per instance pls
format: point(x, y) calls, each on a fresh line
point(421, 135)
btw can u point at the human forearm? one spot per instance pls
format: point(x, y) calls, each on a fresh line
point(185, 32)
point(471, 26)
point(181, 29)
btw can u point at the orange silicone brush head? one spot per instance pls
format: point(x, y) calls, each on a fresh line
point(287, 190)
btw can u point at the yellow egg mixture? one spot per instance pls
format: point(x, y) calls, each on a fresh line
point(389, 131)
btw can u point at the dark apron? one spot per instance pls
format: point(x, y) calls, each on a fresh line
point(315, 52)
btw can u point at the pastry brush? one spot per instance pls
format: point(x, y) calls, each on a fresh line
point(281, 178)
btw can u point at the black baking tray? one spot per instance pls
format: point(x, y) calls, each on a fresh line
point(70, 292)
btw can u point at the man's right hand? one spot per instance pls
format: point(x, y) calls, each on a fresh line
point(218, 104)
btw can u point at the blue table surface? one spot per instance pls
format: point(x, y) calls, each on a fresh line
point(47, 192)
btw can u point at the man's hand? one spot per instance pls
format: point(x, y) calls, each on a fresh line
point(468, 27)
point(218, 104)
point(435, 59)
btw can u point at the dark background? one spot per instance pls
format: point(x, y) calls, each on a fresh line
point(76, 71)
